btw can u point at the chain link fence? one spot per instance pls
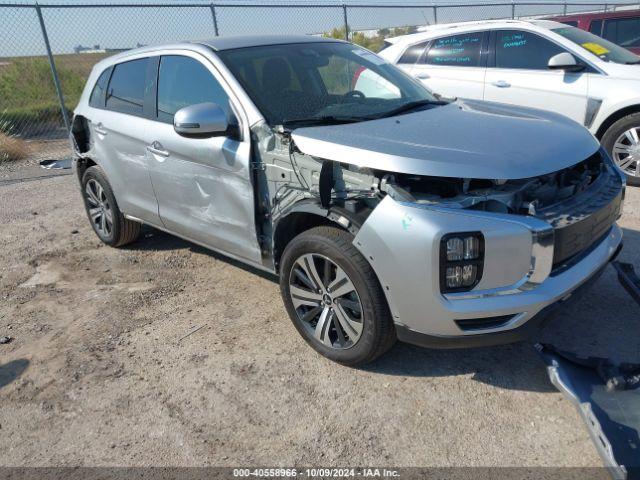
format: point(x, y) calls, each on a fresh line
point(47, 50)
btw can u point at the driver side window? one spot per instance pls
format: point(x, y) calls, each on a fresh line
point(184, 81)
point(523, 50)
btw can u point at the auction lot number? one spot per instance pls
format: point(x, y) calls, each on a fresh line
point(313, 472)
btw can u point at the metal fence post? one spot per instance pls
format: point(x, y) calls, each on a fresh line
point(54, 72)
point(606, 7)
point(564, 11)
point(513, 10)
point(346, 23)
point(214, 17)
point(435, 14)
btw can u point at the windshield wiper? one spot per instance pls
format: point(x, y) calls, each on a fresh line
point(323, 120)
point(407, 107)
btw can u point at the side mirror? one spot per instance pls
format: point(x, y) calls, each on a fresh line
point(201, 120)
point(564, 61)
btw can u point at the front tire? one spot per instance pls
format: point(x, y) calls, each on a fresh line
point(622, 142)
point(333, 297)
point(105, 217)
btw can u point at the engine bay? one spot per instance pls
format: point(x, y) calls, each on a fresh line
point(527, 196)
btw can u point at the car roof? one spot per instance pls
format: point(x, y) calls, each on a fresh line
point(597, 15)
point(244, 41)
point(217, 44)
point(432, 31)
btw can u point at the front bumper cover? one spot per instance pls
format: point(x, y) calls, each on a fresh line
point(523, 332)
point(402, 241)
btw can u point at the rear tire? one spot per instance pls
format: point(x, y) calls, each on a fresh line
point(625, 135)
point(105, 217)
point(324, 274)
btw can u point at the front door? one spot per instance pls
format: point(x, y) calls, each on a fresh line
point(202, 184)
point(520, 76)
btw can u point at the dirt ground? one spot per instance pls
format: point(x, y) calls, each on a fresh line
point(101, 370)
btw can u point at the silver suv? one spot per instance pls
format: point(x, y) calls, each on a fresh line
point(386, 211)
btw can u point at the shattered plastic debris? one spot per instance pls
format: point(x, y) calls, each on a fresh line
point(6, 339)
point(607, 396)
point(62, 164)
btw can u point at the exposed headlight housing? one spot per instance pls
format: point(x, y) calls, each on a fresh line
point(461, 261)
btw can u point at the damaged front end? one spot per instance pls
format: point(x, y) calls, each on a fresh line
point(580, 202)
point(566, 199)
point(528, 232)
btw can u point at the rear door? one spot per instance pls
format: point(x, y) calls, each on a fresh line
point(517, 74)
point(119, 124)
point(454, 66)
point(202, 184)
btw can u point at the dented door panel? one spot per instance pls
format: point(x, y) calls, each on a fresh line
point(204, 190)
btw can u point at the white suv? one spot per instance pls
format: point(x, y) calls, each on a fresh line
point(536, 63)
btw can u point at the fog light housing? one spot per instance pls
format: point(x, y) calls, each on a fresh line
point(461, 261)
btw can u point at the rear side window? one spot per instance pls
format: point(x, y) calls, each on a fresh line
point(97, 95)
point(126, 88)
point(459, 50)
point(596, 27)
point(623, 31)
point(184, 81)
point(523, 50)
point(571, 23)
point(413, 53)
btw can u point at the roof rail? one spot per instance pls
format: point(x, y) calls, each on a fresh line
point(443, 26)
point(450, 26)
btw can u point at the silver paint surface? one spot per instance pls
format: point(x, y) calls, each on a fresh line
point(202, 118)
point(462, 139)
point(199, 189)
point(203, 190)
point(402, 243)
point(119, 144)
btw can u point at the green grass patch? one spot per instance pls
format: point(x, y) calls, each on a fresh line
point(27, 92)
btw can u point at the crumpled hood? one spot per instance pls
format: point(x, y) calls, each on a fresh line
point(464, 139)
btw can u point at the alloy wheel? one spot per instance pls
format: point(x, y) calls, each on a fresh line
point(326, 301)
point(99, 208)
point(626, 152)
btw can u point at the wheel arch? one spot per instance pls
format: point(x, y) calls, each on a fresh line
point(81, 140)
point(82, 164)
point(292, 224)
point(614, 117)
point(304, 216)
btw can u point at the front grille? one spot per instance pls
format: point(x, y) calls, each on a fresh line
point(584, 219)
point(573, 238)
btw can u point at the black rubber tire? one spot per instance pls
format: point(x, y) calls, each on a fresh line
point(378, 333)
point(124, 231)
point(611, 135)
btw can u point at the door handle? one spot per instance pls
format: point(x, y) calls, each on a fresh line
point(100, 129)
point(157, 149)
point(423, 76)
point(501, 84)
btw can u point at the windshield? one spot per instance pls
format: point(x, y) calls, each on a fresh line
point(318, 83)
point(604, 49)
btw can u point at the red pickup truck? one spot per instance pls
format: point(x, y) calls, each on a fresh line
point(621, 27)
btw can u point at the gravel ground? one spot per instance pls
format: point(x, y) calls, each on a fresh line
point(101, 372)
